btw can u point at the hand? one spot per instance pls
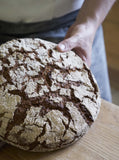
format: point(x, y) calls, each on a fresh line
point(79, 38)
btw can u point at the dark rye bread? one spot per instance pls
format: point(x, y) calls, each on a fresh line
point(48, 99)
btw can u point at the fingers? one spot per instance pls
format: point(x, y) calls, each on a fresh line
point(78, 43)
point(88, 61)
point(71, 44)
point(80, 52)
point(86, 57)
point(67, 44)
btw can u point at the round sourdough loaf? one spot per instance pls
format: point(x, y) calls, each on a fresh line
point(48, 99)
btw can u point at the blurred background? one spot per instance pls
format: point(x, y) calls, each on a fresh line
point(111, 35)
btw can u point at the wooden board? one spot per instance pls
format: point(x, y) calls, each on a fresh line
point(100, 143)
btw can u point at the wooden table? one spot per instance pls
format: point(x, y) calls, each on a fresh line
point(100, 143)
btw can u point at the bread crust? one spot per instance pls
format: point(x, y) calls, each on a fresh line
point(48, 99)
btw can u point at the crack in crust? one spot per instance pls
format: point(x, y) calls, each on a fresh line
point(91, 80)
point(44, 102)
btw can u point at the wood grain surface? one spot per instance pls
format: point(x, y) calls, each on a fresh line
point(100, 143)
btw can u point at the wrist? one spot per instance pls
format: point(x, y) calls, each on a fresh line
point(89, 22)
point(93, 12)
point(87, 28)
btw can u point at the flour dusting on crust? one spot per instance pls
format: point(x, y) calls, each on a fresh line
point(48, 99)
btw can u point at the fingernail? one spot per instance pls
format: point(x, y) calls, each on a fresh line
point(62, 47)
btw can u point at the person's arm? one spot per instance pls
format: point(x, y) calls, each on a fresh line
point(81, 34)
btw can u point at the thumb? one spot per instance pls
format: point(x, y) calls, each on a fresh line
point(67, 44)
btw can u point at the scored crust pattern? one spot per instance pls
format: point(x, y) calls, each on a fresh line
point(48, 99)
